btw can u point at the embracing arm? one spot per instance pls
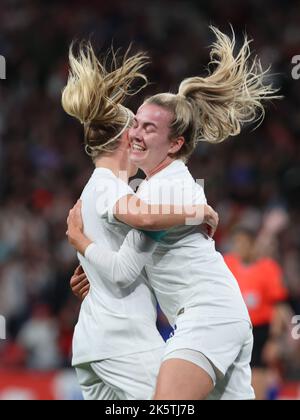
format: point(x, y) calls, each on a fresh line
point(124, 266)
point(140, 215)
point(119, 267)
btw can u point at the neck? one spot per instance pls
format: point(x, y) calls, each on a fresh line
point(116, 162)
point(162, 165)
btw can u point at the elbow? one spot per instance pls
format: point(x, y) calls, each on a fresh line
point(143, 222)
point(148, 223)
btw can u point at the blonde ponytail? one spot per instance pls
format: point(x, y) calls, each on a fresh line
point(216, 107)
point(94, 96)
point(232, 95)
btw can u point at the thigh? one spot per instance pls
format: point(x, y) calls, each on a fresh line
point(92, 387)
point(182, 380)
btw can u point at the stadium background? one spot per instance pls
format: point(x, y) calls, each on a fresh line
point(43, 167)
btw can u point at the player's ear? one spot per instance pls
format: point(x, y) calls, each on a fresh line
point(176, 145)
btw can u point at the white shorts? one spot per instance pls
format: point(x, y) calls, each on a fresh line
point(131, 377)
point(227, 344)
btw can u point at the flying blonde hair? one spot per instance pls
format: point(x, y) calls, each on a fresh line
point(216, 107)
point(94, 95)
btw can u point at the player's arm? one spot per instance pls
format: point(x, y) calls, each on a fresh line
point(122, 267)
point(140, 215)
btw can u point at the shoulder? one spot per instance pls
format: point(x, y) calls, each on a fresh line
point(108, 190)
point(111, 185)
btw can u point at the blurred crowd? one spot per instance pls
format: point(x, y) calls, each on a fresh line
point(252, 180)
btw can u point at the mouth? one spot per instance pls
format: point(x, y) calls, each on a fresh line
point(137, 147)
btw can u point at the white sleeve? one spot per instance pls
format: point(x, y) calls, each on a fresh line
point(123, 267)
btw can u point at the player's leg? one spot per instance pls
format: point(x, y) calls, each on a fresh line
point(185, 375)
point(218, 341)
point(92, 387)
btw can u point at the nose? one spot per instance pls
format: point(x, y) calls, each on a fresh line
point(135, 134)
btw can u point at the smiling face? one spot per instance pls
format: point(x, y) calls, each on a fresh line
point(149, 137)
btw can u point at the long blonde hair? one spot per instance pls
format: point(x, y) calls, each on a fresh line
point(94, 95)
point(216, 107)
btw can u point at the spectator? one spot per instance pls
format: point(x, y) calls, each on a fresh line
point(261, 283)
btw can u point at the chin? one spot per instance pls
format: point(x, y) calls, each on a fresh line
point(138, 161)
point(134, 160)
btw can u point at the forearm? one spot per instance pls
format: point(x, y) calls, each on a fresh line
point(124, 266)
point(159, 217)
point(79, 241)
point(164, 217)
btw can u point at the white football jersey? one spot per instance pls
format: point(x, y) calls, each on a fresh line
point(115, 320)
point(186, 270)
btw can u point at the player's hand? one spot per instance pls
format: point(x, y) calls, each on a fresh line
point(74, 221)
point(79, 283)
point(75, 233)
point(211, 220)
